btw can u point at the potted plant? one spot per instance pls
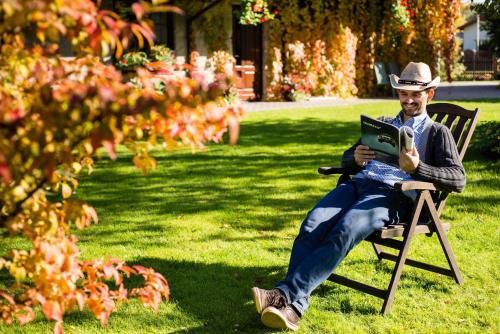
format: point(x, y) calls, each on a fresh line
point(131, 61)
point(163, 54)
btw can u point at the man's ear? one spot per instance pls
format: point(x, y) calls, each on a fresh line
point(430, 94)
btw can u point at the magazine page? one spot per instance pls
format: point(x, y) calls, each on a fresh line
point(381, 137)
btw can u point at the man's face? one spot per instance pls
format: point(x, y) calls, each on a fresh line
point(414, 103)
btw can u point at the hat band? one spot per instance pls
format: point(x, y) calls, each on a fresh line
point(413, 82)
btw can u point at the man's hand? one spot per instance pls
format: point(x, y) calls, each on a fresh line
point(363, 154)
point(408, 160)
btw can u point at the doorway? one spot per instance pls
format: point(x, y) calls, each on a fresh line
point(247, 47)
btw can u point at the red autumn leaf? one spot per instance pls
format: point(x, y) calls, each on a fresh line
point(109, 270)
point(234, 131)
point(80, 299)
point(90, 212)
point(141, 270)
point(5, 172)
point(7, 297)
point(52, 310)
point(128, 270)
point(138, 10)
point(25, 315)
point(110, 148)
point(122, 293)
point(58, 328)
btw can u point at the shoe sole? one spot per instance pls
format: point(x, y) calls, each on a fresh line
point(274, 319)
point(256, 300)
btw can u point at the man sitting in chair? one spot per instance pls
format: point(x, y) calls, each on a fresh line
point(358, 207)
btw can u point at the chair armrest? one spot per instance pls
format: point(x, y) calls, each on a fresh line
point(335, 170)
point(414, 185)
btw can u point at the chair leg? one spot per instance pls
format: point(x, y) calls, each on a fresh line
point(378, 250)
point(403, 253)
point(445, 244)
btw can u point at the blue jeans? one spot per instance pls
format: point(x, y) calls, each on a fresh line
point(341, 220)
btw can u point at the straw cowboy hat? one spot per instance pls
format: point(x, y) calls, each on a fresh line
point(415, 77)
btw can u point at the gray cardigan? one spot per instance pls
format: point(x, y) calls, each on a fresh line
point(441, 164)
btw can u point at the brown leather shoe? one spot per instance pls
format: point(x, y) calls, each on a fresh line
point(265, 298)
point(284, 318)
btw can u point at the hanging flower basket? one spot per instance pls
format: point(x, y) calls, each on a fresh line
point(401, 13)
point(255, 12)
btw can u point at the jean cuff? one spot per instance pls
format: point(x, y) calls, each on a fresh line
point(285, 291)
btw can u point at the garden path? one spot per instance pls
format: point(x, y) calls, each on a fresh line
point(457, 90)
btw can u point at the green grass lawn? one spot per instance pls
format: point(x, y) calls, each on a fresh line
point(219, 222)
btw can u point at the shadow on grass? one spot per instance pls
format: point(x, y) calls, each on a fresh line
point(226, 179)
point(217, 295)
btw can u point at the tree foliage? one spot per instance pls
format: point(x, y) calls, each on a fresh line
point(489, 12)
point(55, 114)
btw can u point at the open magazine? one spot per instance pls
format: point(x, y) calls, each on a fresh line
point(385, 139)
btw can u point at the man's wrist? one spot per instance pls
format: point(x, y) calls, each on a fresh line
point(415, 168)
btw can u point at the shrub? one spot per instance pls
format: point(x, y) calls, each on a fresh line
point(487, 139)
point(132, 60)
point(55, 113)
point(163, 54)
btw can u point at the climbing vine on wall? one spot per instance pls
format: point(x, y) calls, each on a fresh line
point(356, 34)
point(214, 25)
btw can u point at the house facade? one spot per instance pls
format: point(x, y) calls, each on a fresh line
point(477, 62)
point(211, 26)
point(470, 34)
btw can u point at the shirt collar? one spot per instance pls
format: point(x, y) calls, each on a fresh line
point(412, 122)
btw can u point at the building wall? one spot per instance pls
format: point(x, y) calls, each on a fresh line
point(470, 37)
point(180, 35)
point(198, 43)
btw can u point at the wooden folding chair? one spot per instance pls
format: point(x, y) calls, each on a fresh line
point(462, 123)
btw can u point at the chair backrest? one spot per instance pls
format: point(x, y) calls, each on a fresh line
point(394, 68)
point(381, 73)
point(460, 121)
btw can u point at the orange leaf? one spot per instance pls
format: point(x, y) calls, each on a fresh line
point(5, 173)
point(90, 211)
point(234, 131)
point(109, 270)
point(165, 8)
point(58, 328)
point(103, 317)
point(7, 297)
point(26, 316)
point(127, 270)
point(138, 10)
point(119, 48)
point(52, 310)
point(110, 148)
point(136, 32)
point(146, 32)
point(80, 299)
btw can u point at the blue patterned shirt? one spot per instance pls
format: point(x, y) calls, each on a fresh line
point(388, 174)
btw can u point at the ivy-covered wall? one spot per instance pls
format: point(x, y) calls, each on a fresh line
point(356, 34)
point(340, 40)
point(210, 32)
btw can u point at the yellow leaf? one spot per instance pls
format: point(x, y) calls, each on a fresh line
point(76, 166)
point(138, 35)
point(66, 190)
point(40, 35)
